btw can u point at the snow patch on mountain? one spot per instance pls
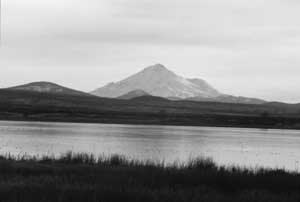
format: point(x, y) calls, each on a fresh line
point(157, 80)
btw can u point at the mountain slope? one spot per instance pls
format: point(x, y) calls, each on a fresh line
point(48, 87)
point(133, 94)
point(157, 80)
point(229, 99)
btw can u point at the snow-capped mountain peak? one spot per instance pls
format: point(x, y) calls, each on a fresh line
point(157, 80)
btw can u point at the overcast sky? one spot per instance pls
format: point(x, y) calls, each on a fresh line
point(241, 47)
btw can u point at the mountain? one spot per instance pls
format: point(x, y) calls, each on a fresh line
point(48, 87)
point(133, 94)
point(157, 80)
point(229, 99)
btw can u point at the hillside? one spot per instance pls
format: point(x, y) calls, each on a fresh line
point(229, 99)
point(36, 106)
point(48, 87)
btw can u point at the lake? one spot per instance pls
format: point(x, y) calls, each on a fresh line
point(227, 146)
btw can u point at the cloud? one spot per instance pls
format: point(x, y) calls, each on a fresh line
point(228, 42)
point(230, 23)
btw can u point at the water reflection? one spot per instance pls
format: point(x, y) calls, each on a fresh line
point(244, 147)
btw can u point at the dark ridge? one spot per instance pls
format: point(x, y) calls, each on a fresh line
point(133, 94)
point(43, 106)
point(229, 99)
point(149, 98)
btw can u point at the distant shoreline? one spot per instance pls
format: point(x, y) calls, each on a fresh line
point(179, 121)
point(53, 107)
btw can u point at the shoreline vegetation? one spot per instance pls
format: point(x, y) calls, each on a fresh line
point(82, 177)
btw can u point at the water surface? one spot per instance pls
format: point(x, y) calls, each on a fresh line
point(227, 146)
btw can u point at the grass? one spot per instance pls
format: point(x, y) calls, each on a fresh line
point(85, 178)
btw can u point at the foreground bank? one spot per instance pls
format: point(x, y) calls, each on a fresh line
point(80, 177)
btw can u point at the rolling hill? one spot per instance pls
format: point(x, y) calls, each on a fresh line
point(48, 87)
point(48, 106)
